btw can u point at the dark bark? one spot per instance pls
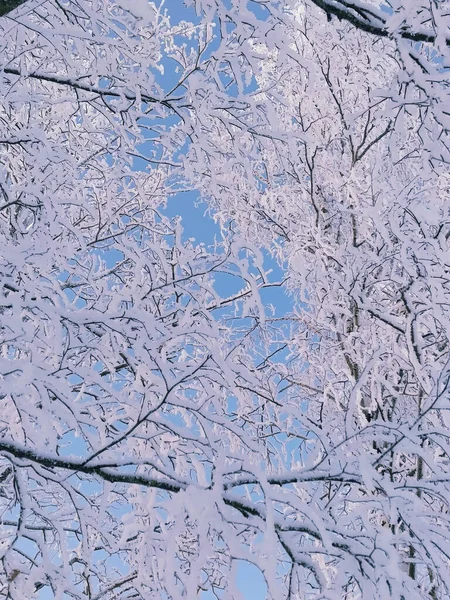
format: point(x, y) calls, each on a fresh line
point(6, 6)
point(78, 85)
point(360, 17)
point(365, 19)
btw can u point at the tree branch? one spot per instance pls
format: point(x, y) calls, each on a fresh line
point(78, 85)
point(6, 6)
point(108, 474)
point(364, 18)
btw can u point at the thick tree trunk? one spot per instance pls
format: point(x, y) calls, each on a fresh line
point(6, 6)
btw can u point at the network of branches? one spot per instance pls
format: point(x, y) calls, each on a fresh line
point(161, 424)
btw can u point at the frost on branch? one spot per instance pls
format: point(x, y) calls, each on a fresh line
point(159, 426)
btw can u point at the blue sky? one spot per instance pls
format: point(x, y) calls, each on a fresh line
point(198, 223)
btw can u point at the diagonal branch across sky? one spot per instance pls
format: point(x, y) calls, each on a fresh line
point(361, 16)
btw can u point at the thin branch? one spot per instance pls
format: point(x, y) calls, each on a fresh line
point(107, 474)
point(363, 18)
point(6, 6)
point(78, 85)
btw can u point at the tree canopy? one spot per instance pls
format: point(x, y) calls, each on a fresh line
point(160, 424)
